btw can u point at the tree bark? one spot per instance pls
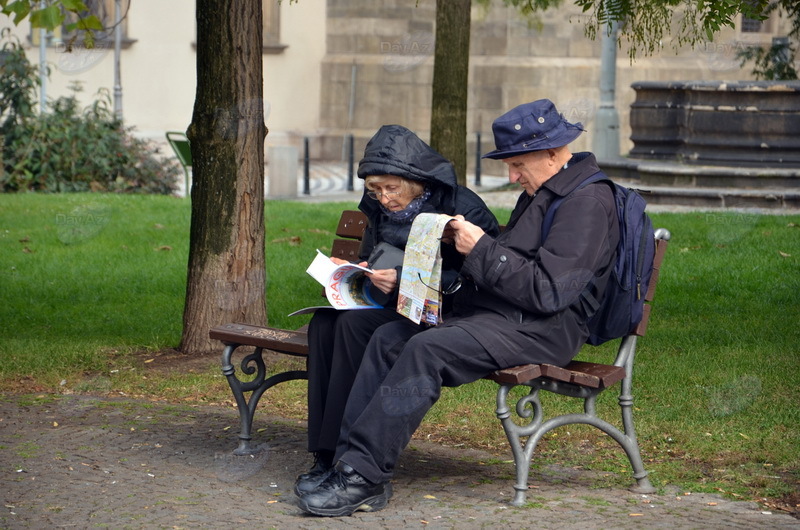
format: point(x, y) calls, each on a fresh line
point(226, 273)
point(450, 79)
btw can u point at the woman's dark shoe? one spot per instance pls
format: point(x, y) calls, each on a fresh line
point(319, 472)
point(343, 492)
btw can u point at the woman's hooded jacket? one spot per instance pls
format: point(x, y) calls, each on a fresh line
point(395, 150)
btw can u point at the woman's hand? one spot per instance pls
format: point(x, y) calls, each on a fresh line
point(384, 279)
point(340, 261)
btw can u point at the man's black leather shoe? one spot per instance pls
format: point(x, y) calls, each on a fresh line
point(308, 482)
point(343, 492)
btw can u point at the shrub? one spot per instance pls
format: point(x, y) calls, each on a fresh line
point(68, 148)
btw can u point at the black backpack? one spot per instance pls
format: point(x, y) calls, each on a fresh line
point(622, 305)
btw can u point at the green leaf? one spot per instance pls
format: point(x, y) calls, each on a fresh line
point(88, 40)
point(48, 18)
point(20, 9)
point(74, 5)
point(88, 23)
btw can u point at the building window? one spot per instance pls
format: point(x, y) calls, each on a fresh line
point(105, 10)
point(272, 26)
point(752, 25)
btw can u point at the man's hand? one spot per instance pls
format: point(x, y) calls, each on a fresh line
point(384, 279)
point(465, 235)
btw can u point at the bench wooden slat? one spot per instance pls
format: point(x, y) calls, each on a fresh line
point(346, 249)
point(593, 375)
point(641, 327)
point(661, 250)
point(352, 224)
point(566, 375)
point(516, 374)
point(280, 340)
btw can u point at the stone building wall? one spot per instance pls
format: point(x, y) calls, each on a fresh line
point(379, 65)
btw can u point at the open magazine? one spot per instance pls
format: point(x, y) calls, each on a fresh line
point(345, 285)
point(419, 297)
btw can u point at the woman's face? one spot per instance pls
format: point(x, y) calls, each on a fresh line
point(390, 191)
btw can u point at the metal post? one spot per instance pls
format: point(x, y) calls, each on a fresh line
point(351, 109)
point(349, 162)
point(478, 158)
point(117, 52)
point(306, 172)
point(42, 65)
point(606, 138)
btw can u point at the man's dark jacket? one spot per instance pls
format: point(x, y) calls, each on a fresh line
point(524, 295)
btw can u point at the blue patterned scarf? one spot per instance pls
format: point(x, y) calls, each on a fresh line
point(407, 214)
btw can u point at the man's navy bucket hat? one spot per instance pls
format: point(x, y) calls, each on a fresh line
point(530, 127)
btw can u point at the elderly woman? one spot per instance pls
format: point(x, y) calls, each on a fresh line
point(403, 176)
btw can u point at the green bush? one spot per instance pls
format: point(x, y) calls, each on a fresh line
point(66, 148)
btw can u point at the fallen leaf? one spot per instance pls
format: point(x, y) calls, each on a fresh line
point(293, 240)
point(271, 502)
point(711, 503)
point(25, 239)
point(55, 424)
point(784, 254)
point(158, 226)
point(26, 250)
point(635, 514)
point(149, 361)
point(429, 497)
point(164, 247)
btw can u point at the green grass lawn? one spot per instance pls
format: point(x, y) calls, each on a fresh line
point(86, 281)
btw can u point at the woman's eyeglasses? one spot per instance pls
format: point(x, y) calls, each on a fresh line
point(377, 195)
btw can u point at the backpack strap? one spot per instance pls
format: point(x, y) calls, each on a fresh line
point(547, 223)
point(590, 303)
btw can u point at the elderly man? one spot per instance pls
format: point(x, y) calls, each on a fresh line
point(522, 300)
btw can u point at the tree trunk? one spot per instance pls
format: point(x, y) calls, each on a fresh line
point(450, 79)
point(226, 277)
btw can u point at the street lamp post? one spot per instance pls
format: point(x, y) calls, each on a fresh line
point(606, 138)
point(117, 50)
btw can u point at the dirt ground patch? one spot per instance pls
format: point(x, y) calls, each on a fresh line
point(86, 461)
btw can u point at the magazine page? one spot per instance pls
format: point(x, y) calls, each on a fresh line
point(321, 268)
point(420, 295)
point(345, 288)
point(344, 285)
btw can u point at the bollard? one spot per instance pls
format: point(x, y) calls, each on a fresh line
point(282, 172)
point(350, 162)
point(478, 158)
point(306, 169)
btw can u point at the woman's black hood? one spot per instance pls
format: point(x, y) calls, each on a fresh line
point(395, 150)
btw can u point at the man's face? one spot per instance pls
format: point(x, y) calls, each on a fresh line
point(531, 170)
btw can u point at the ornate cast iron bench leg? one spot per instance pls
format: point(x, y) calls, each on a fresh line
point(527, 407)
point(631, 443)
point(252, 363)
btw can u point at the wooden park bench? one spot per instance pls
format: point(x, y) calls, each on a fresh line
point(579, 379)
